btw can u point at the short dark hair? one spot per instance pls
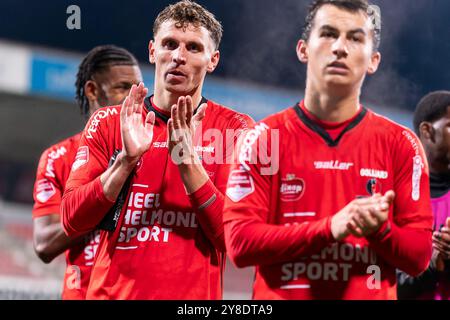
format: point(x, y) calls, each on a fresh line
point(430, 108)
point(187, 12)
point(349, 5)
point(98, 60)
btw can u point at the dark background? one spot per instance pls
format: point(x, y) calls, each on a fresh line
point(259, 39)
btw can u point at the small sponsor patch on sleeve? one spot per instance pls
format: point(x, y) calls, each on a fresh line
point(81, 158)
point(240, 185)
point(44, 190)
point(418, 166)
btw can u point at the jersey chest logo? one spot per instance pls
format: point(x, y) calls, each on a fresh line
point(292, 188)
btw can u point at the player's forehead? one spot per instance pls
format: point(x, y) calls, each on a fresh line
point(171, 29)
point(123, 73)
point(342, 20)
point(445, 119)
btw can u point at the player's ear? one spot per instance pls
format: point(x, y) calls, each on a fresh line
point(151, 52)
point(214, 61)
point(426, 132)
point(91, 90)
point(375, 60)
point(302, 51)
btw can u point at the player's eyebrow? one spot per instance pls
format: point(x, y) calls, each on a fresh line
point(358, 30)
point(168, 38)
point(330, 28)
point(124, 84)
point(327, 27)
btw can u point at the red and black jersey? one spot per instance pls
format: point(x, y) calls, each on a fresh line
point(167, 245)
point(292, 177)
point(52, 173)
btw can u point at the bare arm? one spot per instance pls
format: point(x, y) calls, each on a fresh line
point(49, 239)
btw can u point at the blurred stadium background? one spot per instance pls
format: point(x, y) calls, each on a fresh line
point(258, 74)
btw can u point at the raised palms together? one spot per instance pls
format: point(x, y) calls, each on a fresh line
point(181, 127)
point(137, 133)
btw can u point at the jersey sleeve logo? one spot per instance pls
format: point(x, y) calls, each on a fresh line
point(52, 157)
point(44, 190)
point(240, 185)
point(81, 158)
point(245, 154)
point(418, 165)
point(101, 114)
point(416, 176)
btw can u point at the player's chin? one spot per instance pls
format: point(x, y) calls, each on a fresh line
point(179, 89)
point(337, 77)
point(338, 82)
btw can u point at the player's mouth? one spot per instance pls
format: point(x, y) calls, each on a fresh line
point(337, 67)
point(175, 74)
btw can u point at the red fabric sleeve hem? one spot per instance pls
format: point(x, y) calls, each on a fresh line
point(327, 234)
point(100, 194)
point(408, 249)
point(383, 232)
point(208, 202)
point(84, 207)
point(202, 195)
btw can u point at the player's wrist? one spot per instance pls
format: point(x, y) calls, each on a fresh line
point(189, 161)
point(126, 161)
point(383, 230)
point(338, 231)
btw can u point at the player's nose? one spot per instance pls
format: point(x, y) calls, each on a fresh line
point(179, 55)
point(340, 47)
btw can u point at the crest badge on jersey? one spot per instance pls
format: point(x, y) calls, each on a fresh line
point(240, 185)
point(44, 190)
point(81, 158)
point(292, 188)
point(373, 186)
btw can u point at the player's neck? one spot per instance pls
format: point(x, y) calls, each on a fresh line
point(438, 167)
point(164, 99)
point(331, 108)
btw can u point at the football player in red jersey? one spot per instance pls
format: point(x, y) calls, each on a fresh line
point(105, 77)
point(160, 202)
point(342, 198)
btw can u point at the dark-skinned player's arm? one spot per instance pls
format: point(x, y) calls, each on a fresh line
point(49, 239)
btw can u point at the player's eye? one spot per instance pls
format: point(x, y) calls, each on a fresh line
point(126, 86)
point(193, 47)
point(123, 86)
point(170, 45)
point(328, 34)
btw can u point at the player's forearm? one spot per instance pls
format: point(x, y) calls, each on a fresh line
point(256, 243)
point(407, 249)
point(208, 202)
point(115, 177)
point(51, 241)
point(193, 176)
point(84, 207)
